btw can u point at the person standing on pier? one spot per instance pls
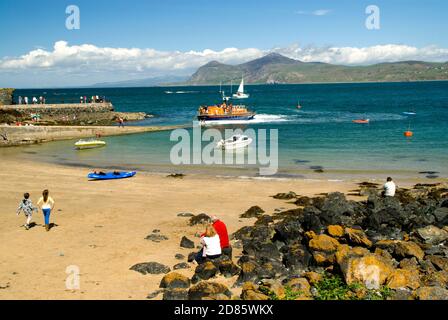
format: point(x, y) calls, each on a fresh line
point(26, 100)
point(20, 99)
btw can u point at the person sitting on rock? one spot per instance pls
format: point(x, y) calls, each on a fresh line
point(389, 188)
point(221, 230)
point(211, 245)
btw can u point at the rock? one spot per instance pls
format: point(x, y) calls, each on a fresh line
point(262, 250)
point(185, 215)
point(175, 294)
point(274, 287)
point(288, 231)
point(251, 292)
point(206, 289)
point(357, 237)
point(150, 268)
point(249, 272)
point(335, 231)
point(226, 266)
point(179, 256)
point(405, 249)
point(252, 212)
point(300, 286)
point(154, 294)
point(439, 262)
point(313, 277)
point(285, 196)
point(432, 234)
point(404, 278)
point(176, 175)
point(432, 293)
point(204, 271)
point(441, 215)
point(336, 210)
point(191, 256)
point(201, 218)
point(439, 278)
point(296, 257)
point(264, 220)
point(174, 280)
point(402, 294)
point(370, 270)
point(186, 243)
point(323, 248)
point(303, 201)
point(410, 264)
point(182, 265)
point(156, 237)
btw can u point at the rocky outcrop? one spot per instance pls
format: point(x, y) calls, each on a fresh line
point(6, 96)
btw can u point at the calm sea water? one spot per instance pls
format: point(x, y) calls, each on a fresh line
point(321, 134)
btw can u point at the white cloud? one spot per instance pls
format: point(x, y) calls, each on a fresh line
point(319, 12)
point(87, 62)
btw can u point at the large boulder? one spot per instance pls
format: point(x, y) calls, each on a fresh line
point(249, 272)
point(432, 235)
point(175, 294)
point(208, 290)
point(201, 218)
point(285, 196)
point(186, 243)
point(406, 249)
point(174, 280)
point(250, 292)
point(299, 286)
point(404, 279)
point(296, 257)
point(252, 212)
point(370, 270)
point(150, 268)
point(323, 248)
point(432, 293)
point(226, 266)
point(357, 237)
point(337, 210)
point(335, 231)
point(205, 271)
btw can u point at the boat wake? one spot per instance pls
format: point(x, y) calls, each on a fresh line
point(259, 118)
point(305, 117)
point(180, 92)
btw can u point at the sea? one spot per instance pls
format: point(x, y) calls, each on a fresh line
point(318, 141)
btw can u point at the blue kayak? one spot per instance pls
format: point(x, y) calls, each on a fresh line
point(111, 175)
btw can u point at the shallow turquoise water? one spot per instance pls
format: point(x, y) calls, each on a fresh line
point(321, 134)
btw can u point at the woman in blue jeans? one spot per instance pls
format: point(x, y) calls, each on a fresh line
point(47, 204)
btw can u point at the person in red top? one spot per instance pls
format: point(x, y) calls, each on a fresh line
point(221, 230)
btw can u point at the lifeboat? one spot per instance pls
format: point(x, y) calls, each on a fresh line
point(224, 112)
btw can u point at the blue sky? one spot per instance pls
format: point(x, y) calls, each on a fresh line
point(179, 25)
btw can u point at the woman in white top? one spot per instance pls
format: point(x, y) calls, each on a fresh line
point(211, 245)
point(47, 204)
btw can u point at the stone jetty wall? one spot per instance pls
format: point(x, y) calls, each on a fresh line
point(66, 114)
point(23, 135)
point(6, 96)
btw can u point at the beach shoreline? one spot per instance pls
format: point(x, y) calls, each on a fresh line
point(101, 226)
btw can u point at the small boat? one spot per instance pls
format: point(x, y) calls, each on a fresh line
point(361, 121)
point(235, 142)
point(111, 175)
point(89, 144)
point(240, 93)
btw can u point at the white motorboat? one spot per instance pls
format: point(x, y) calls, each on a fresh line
point(235, 142)
point(89, 144)
point(240, 93)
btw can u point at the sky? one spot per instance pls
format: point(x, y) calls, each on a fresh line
point(135, 39)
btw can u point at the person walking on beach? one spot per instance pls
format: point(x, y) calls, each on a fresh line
point(27, 207)
point(120, 122)
point(211, 245)
point(389, 188)
point(221, 230)
point(47, 204)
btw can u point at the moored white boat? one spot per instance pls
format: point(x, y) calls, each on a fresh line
point(89, 144)
point(235, 142)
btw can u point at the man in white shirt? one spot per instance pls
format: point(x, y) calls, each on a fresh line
point(389, 188)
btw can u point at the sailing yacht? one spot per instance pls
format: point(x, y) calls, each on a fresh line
point(240, 93)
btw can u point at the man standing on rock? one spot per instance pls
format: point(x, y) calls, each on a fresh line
point(389, 188)
point(221, 230)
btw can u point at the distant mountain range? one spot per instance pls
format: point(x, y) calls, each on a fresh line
point(148, 82)
point(275, 68)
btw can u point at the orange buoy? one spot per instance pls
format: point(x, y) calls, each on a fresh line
point(408, 133)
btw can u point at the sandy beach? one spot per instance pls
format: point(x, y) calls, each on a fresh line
point(101, 226)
